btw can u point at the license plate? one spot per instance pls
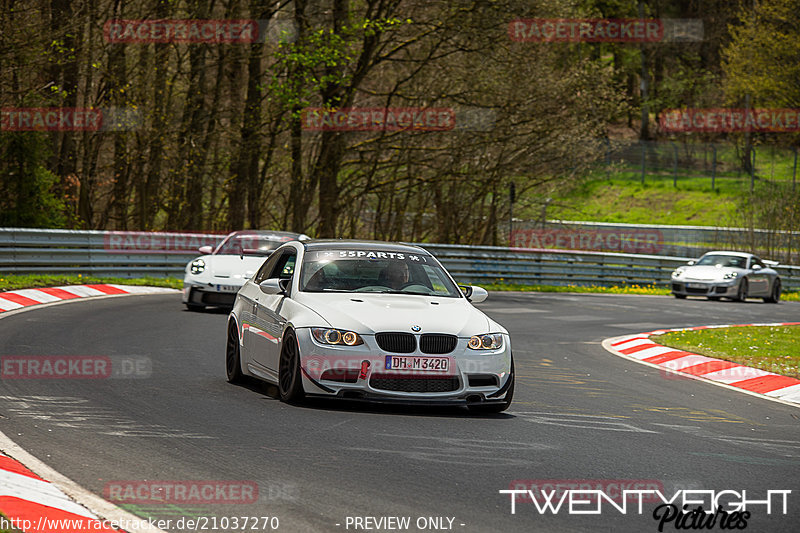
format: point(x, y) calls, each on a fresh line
point(433, 364)
point(696, 285)
point(226, 288)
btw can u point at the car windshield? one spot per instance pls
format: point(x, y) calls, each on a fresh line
point(250, 244)
point(375, 271)
point(722, 261)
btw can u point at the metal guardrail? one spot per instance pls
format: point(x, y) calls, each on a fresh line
point(100, 253)
point(139, 254)
point(476, 264)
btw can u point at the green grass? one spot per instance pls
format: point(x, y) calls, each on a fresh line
point(774, 349)
point(9, 282)
point(626, 289)
point(624, 199)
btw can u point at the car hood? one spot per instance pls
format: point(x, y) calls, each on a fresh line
point(372, 313)
point(708, 273)
point(232, 266)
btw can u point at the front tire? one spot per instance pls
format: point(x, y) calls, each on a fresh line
point(775, 295)
point(679, 296)
point(233, 360)
point(741, 294)
point(290, 381)
point(494, 408)
point(195, 307)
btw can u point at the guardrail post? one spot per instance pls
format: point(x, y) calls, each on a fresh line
point(794, 171)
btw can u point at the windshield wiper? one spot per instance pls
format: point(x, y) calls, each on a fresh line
point(391, 291)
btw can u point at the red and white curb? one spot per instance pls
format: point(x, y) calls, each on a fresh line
point(640, 348)
point(13, 300)
point(34, 504)
point(29, 502)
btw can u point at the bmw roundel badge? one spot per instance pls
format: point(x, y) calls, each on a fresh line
point(415, 328)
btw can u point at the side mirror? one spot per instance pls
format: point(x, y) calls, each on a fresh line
point(275, 286)
point(690, 263)
point(474, 293)
point(756, 267)
point(205, 250)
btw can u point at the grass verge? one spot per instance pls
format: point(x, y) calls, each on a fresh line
point(771, 348)
point(10, 282)
point(625, 289)
point(652, 290)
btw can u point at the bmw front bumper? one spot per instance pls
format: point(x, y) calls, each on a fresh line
point(360, 372)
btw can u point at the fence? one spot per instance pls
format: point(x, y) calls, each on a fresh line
point(654, 239)
point(476, 264)
point(100, 253)
point(711, 161)
point(137, 254)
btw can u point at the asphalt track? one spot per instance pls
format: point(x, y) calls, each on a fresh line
point(580, 413)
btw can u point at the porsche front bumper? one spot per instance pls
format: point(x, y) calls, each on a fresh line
point(719, 289)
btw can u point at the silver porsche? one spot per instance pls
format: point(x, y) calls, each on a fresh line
point(734, 275)
point(367, 320)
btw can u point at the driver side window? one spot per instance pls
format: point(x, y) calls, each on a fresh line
point(265, 270)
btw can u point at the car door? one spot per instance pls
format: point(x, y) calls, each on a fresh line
point(267, 341)
point(249, 294)
point(759, 279)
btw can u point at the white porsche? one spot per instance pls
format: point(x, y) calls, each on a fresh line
point(734, 275)
point(215, 277)
point(367, 320)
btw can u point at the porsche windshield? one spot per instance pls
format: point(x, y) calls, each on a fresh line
point(250, 244)
point(375, 271)
point(722, 261)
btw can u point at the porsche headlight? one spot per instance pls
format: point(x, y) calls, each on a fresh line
point(678, 272)
point(197, 266)
point(489, 341)
point(336, 336)
point(730, 275)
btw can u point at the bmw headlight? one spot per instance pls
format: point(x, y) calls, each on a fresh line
point(197, 266)
point(336, 336)
point(489, 341)
point(730, 275)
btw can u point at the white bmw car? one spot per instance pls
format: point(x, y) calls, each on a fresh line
point(367, 320)
point(214, 278)
point(734, 275)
